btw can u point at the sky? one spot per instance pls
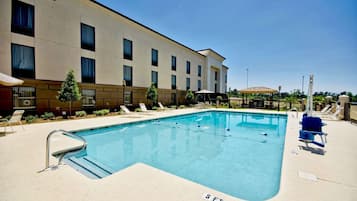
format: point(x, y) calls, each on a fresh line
point(278, 41)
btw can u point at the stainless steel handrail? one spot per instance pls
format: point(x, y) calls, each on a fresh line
point(65, 133)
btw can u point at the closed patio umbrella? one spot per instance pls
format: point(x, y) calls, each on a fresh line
point(7, 80)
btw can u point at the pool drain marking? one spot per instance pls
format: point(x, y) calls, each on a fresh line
point(210, 197)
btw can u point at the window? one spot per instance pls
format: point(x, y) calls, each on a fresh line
point(173, 63)
point(173, 81)
point(215, 75)
point(128, 49)
point(215, 87)
point(128, 97)
point(154, 57)
point(24, 98)
point(88, 70)
point(23, 18)
point(128, 75)
point(188, 67)
point(22, 61)
point(173, 98)
point(154, 78)
point(199, 70)
point(87, 37)
point(225, 78)
point(88, 97)
point(188, 83)
point(198, 85)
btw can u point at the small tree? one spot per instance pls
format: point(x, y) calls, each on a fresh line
point(151, 93)
point(189, 96)
point(69, 91)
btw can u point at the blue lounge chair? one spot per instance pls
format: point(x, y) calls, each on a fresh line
point(312, 126)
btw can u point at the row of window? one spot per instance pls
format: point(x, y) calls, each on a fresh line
point(23, 23)
point(23, 65)
point(25, 97)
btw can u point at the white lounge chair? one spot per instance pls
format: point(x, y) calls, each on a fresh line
point(143, 107)
point(15, 119)
point(325, 108)
point(125, 109)
point(161, 106)
point(328, 115)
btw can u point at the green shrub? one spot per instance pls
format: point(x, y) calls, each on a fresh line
point(173, 106)
point(137, 110)
point(102, 112)
point(182, 106)
point(81, 113)
point(154, 108)
point(48, 115)
point(30, 118)
point(234, 105)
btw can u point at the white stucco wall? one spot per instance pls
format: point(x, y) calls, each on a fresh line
point(57, 45)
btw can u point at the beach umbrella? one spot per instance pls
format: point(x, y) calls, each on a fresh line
point(309, 107)
point(7, 80)
point(204, 92)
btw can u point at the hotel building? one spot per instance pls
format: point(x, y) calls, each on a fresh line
point(115, 58)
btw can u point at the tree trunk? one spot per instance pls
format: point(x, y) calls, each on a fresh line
point(70, 109)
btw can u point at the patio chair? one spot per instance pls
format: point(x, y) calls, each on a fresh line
point(15, 119)
point(143, 107)
point(161, 106)
point(325, 108)
point(125, 109)
point(312, 126)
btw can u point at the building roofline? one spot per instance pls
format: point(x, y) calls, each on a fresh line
point(146, 27)
point(213, 52)
point(225, 66)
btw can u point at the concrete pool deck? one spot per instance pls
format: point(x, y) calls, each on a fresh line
point(306, 174)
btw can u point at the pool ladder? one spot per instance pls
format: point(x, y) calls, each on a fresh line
point(62, 153)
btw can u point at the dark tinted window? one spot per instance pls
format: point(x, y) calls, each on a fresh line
point(173, 81)
point(128, 49)
point(173, 63)
point(22, 61)
point(88, 70)
point(188, 67)
point(188, 83)
point(154, 78)
point(154, 57)
point(87, 37)
point(128, 75)
point(199, 70)
point(23, 18)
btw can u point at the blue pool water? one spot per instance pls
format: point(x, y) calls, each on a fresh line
point(239, 154)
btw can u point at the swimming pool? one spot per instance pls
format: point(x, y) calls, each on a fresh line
point(237, 153)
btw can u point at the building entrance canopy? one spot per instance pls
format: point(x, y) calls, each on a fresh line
point(258, 90)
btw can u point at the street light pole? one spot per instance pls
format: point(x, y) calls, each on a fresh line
point(247, 77)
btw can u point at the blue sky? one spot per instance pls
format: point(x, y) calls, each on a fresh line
point(279, 41)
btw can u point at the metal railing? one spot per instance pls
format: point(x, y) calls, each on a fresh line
point(64, 133)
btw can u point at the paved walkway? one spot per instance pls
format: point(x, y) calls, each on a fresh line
point(306, 174)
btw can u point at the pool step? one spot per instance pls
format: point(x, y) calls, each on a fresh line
point(88, 167)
